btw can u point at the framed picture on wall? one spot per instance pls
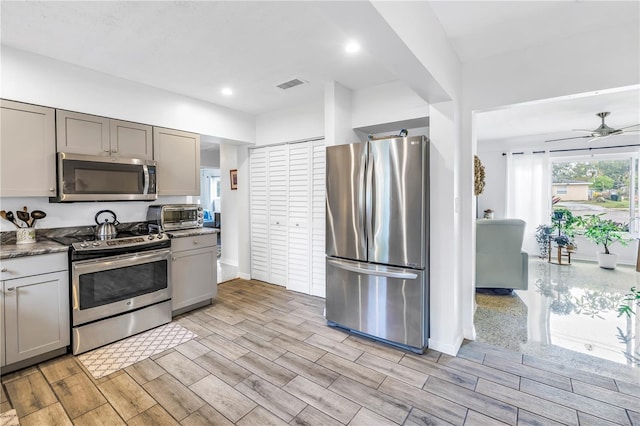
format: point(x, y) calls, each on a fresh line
point(234, 178)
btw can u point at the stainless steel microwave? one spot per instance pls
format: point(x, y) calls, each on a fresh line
point(95, 178)
point(175, 216)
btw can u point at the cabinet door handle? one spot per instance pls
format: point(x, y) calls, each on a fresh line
point(11, 288)
point(3, 270)
point(107, 150)
point(196, 242)
point(52, 190)
point(173, 258)
point(114, 151)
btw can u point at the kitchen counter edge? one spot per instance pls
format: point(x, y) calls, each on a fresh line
point(12, 251)
point(191, 232)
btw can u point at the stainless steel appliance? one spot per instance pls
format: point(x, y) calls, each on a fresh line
point(106, 229)
point(119, 287)
point(170, 217)
point(377, 239)
point(95, 178)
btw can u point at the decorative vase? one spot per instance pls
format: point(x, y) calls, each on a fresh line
point(25, 236)
point(607, 261)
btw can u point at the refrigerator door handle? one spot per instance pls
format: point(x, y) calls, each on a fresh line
point(363, 199)
point(370, 217)
point(377, 273)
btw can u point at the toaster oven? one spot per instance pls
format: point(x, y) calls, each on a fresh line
point(171, 217)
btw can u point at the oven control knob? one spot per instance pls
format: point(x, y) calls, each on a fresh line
point(84, 244)
point(151, 237)
point(95, 243)
point(159, 236)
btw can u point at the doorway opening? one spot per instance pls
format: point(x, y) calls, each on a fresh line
point(211, 201)
point(569, 313)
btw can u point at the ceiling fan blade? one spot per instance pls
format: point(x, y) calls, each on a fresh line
point(582, 130)
point(626, 127)
point(565, 139)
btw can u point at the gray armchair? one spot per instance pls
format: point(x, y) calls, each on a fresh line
point(500, 261)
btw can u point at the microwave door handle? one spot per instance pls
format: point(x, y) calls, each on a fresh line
point(145, 170)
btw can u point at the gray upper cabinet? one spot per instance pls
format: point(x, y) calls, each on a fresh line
point(178, 156)
point(93, 135)
point(132, 140)
point(27, 150)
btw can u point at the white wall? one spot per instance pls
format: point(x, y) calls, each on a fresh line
point(230, 199)
point(337, 115)
point(31, 78)
point(493, 196)
point(60, 215)
point(305, 121)
point(385, 103)
point(445, 304)
point(210, 158)
point(242, 214)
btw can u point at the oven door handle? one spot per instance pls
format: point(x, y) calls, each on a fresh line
point(124, 260)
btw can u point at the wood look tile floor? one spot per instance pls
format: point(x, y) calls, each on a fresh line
point(264, 356)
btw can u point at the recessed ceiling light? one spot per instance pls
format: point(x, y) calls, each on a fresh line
point(352, 47)
point(227, 91)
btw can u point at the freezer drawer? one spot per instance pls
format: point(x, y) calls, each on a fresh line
point(384, 302)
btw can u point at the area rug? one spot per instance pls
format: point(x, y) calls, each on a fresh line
point(123, 353)
point(501, 320)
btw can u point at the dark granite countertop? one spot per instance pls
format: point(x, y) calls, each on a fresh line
point(10, 251)
point(191, 232)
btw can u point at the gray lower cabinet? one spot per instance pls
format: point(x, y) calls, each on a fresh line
point(193, 272)
point(35, 302)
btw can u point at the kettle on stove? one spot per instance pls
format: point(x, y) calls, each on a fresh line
point(106, 230)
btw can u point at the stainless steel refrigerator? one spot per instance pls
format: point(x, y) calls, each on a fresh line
point(377, 239)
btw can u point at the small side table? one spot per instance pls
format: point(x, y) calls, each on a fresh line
point(561, 252)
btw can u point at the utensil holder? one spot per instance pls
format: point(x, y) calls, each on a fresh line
point(25, 236)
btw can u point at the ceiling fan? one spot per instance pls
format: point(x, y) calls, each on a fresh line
point(603, 131)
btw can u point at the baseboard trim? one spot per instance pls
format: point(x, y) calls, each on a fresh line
point(449, 348)
point(244, 276)
point(469, 333)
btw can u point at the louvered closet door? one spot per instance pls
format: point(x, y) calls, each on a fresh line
point(259, 215)
point(277, 172)
point(299, 217)
point(318, 188)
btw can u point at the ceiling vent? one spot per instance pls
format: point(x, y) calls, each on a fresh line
point(291, 83)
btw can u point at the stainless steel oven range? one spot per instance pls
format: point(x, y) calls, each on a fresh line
point(119, 287)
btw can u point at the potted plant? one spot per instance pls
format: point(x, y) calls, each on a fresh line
point(603, 232)
point(543, 234)
point(564, 223)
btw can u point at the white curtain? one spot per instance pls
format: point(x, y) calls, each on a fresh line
point(529, 194)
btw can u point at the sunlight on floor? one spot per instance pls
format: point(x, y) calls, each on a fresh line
point(568, 315)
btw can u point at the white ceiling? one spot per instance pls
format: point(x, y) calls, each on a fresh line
point(536, 122)
point(196, 48)
point(480, 29)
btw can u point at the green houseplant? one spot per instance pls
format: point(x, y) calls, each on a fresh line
point(603, 232)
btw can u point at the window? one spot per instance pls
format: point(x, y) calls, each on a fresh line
point(604, 183)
